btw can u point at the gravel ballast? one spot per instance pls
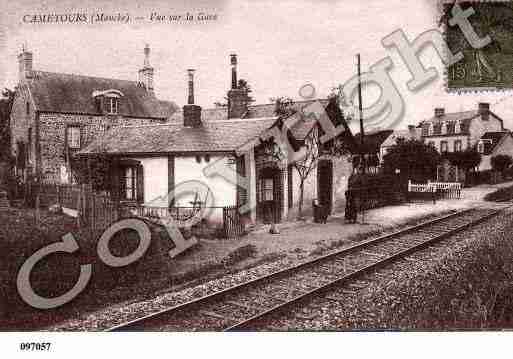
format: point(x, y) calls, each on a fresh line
point(465, 282)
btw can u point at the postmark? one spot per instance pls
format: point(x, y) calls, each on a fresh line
point(486, 68)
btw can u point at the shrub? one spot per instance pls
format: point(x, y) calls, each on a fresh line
point(57, 273)
point(415, 160)
point(375, 190)
point(502, 194)
point(501, 162)
point(240, 254)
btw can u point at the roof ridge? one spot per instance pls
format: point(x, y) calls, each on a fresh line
point(179, 123)
point(294, 101)
point(79, 75)
point(260, 104)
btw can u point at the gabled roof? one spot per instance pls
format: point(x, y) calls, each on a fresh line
point(372, 141)
point(254, 111)
point(214, 134)
point(69, 93)
point(492, 139)
point(222, 136)
point(406, 134)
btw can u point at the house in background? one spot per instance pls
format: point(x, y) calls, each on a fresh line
point(492, 144)
point(55, 115)
point(412, 133)
point(372, 148)
point(458, 131)
point(152, 160)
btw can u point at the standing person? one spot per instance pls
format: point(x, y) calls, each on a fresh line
point(350, 211)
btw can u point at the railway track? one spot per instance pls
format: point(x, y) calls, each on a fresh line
point(242, 306)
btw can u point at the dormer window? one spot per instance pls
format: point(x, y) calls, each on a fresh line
point(451, 127)
point(112, 105)
point(108, 101)
point(73, 137)
point(483, 145)
point(437, 129)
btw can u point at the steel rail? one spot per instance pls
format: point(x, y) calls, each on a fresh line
point(357, 273)
point(140, 322)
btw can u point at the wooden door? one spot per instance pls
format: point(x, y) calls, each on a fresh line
point(325, 184)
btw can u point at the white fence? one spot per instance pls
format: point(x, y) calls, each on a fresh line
point(446, 190)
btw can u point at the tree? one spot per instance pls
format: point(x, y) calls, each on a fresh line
point(413, 158)
point(241, 85)
point(5, 112)
point(500, 163)
point(307, 164)
point(283, 106)
point(466, 160)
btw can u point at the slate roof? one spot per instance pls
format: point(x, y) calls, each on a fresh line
point(69, 93)
point(465, 117)
point(217, 133)
point(495, 138)
point(299, 130)
point(455, 116)
point(225, 136)
point(372, 141)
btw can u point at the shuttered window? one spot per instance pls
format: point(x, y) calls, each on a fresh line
point(130, 183)
point(73, 136)
point(266, 189)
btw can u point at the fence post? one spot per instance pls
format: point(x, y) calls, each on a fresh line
point(79, 208)
point(37, 213)
point(92, 218)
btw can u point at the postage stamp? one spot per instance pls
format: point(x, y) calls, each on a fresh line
point(489, 67)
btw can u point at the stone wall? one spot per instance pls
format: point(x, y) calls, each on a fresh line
point(21, 121)
point(53, 149)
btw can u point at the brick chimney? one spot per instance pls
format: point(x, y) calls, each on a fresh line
point(25, 64)
point(439, 112)
point(191, 112)
point(237, 97)
point(483, 108)
point(147, 72)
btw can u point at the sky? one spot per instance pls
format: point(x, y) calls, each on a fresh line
point(281, 46)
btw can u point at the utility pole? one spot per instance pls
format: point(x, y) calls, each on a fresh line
point(360, 110)
point(364, 191)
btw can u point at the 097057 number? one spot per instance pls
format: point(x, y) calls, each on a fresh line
point(35, 346)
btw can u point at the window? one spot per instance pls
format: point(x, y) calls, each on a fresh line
point(425, 129)
point(28, 109)
point(437, 129)
point(443, 146)
point(73, 136)
point(480, 147)
point(266, 189)
point(112, 105)
point(130, 182)
point(451, 127)
point(431, 143)
point(457, 145)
